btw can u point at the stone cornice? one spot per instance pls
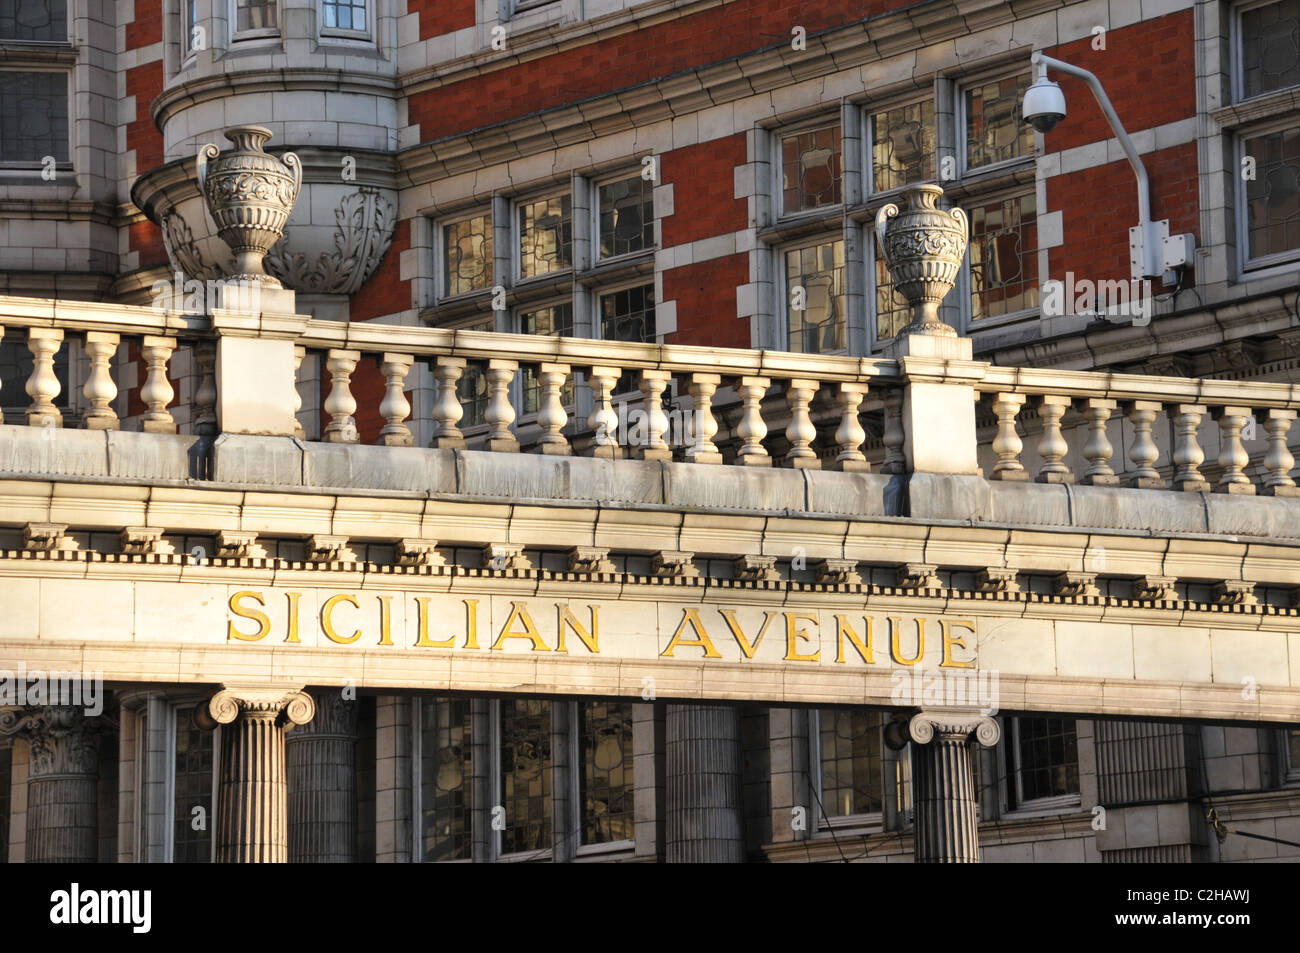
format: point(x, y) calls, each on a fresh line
point(1271, 106)
point(62, 210)
point(250, 82)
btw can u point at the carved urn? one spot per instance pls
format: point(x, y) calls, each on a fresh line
point(250, 195)
point(923, 247)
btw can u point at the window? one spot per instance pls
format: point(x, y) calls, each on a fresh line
point(545, 236)
point(816, 322)
point(811, 173)
point(994, 131)
point(344, 16)
point(525, 766)
point(1272, 199)
point(34, 20)
point(33, 117)
point(605, 772)
point(1003, 256)
point(852, 773)
point(1270, 47)
point(902, 146)
point(193, 778)
point(1043, 768)
point(467, 255)
point(445, 771)
point(627, 216)
point(256, 18)
point(554, 321)
point(189, 25)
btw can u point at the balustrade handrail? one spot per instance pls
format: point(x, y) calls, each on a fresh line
point(19, 312)
point(1105, 385)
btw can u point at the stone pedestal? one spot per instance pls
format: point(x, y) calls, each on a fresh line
point(321, 761)
point(938, 407)
point(703, 785)
point(63, 769)
point(943, 782)
point(252, 820)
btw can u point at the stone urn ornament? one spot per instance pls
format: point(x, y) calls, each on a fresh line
point(249, 194)
point(923, 248)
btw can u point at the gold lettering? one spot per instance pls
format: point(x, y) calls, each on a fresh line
point(471, 623)
point(520, 612)
point(702, 638)
point(793, 635)
point(293, 617)
point(949, 640)
point(739, 635)
point(261, 618)
point(895, 639)
point(327, 618)
point(568, 620)
point(385, 620)
point(842, 629)
point(422, 641)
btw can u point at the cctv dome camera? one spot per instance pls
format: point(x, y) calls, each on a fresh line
point(1044, 105)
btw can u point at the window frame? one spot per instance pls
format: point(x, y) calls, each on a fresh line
point(595, 184)
point(780, 133)
point(964, 286)
point(417, 781)
point(517, 238)
point(871, 822)
point(39, 66)
point(872, 195)
point(442, 294)
point(960, 87)
point(1009, 768)
point(577, 807)
point(1247, 266)
point(339, 33)
point(260, 33)
point(783, 285)
point(1236, 53)
point(174, 708)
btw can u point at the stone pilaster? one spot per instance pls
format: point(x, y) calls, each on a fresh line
point(943, 781)
point(252, 821)
point(63, 766)
point(703, 786)
point(321, 758)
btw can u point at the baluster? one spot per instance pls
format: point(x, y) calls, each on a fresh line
point(850, 435)
point(653, 385)
point(751, 428)
point(603, 420)
point(800, 432)
point(446, 409)
point(500, 415)
point(340, 404)
point(1143, 453)
point(1053, 447)
point(100, 390)
point(395, 408)
point(1278, 459)
point(1188, 455)
point(299, 355)
point(43, 386)
point(1007, 444)
point(1097, 448)
point(704, 426)
point(157, 391)
point(1232, 454)
point(205, 391)
point(893, 436)
point(551, 416)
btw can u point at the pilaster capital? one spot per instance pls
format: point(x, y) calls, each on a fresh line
point(62, 739)
point(949, 724)
point(271, 702)
point(334, 716)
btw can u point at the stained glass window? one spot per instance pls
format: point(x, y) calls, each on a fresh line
point(605, 772)
point(1003, 256)
point(43, 20)
point(852, 769)
point(628, 315)
point(1270, 47)
point(994, 131)
point(556, 321)
point(627, 216)
point(344, 15)
point(1047, 757)
point(1273, 195)
point(467, 255)
point(33, 116)
point(545, 236)
point(446, 794)
point(815, 298)
point(254, 15)
point(902, 145)
point(810, 169)
point(892, 312)
point(526, 774)
point(192, 789)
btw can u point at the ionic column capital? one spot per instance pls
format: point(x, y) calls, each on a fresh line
point(948, 724)
point(278, 703)
point(62, 739)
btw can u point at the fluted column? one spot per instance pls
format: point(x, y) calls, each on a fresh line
point(321, 760)
point(703, 789)
point(252, 820)
point(63, 768)
point(943, 782)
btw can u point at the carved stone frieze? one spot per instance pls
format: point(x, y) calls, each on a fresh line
point(365, 220)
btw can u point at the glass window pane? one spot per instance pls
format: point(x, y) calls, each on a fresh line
point(467, 255)
point(45, 20)
point(555, 321)
point(892, 312)
point(628, 315)
point(1003, 256)
point(1048, 757)
point(815, 298)
point(627, 217)
point(1273, 195)
point(33, 116)
point(605, 772)
point(526, 774)
point(994, 132)
point(1270, 48)
point(902, 145)
point(810, 169)
point(852, 767)
point(545, 236)
point(445, 789)
point(192, 788)
point(254, 15)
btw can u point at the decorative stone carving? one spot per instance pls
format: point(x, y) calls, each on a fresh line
point(47, 537)
point(62, 738)
point(330, 549)
point(419, 552)
point(1072, 585)
point(364, 231)
point(1155, 588)
point(500, 557)
point(145, 540)
point(239, 544)
point(838, 572)
point(923, 247)
point(757, 569)
point(249, 195)
point(675, 564)
point(589, 559)
point(1235, 592)
point(183, 252)
point(919, 576)
point(998, 579)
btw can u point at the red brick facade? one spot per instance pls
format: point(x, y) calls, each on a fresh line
point(703, 181)
point(706, 302)
point(384, 293)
